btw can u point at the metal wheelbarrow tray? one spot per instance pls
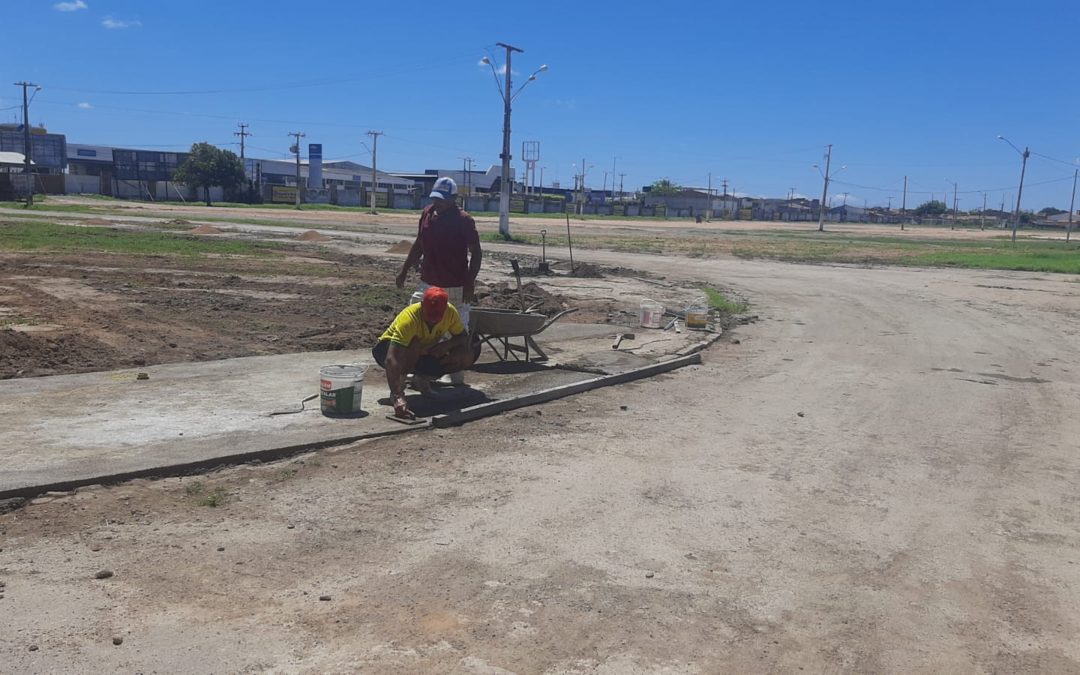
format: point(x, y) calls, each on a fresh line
point(497, 327)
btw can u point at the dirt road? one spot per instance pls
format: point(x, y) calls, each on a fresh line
point(881, 476)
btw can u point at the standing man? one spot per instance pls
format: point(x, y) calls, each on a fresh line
point(413, 344)
point(448, 247)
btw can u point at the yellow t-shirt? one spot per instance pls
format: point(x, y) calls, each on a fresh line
point(409, 324)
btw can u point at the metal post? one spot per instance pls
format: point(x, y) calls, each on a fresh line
point(982, 214)
point(825, 190)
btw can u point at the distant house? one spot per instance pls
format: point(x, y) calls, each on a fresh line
point(468, 182)
point(1062, 219)
point(692, 202)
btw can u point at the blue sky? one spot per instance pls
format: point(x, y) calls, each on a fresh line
point(751, 92)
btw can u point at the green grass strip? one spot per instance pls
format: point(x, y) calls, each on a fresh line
point(40, 237)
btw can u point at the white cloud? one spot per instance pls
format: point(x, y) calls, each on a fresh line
point(84, 106)
point(70, 6)
point(117, 24)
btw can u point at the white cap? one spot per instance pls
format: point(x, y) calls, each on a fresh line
point(444, 188)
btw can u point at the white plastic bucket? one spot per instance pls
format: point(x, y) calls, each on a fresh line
point(340, 389)
point(651, 314)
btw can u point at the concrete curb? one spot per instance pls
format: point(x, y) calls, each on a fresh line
point(495, 407)
point(438, 421)
point(699, 346)
point(267, 455)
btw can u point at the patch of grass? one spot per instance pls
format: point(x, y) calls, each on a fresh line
point(9, 321)
point(36, 236)
point(721, 303)
point(214, 499)
point(368, 295)
point(193, 489)
point(514, 238)
point(1062, 260)
point(58, 208)
point(996, 253)
point(285, 474)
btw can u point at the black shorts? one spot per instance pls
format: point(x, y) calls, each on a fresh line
point(425, 365)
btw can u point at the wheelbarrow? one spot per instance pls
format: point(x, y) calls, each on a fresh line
point(500, 327)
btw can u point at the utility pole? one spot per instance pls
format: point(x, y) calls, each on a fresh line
point(1072, 205)
point(1020, 192)
point(614, 161)
point(582, 199)
point(243, 133)
point(982, 214)
point(297, 135)
point(374, 173)
point(723, 201)
point(621, 177)
point(467, 177)
point(708, 204)
point(953, 227)
point(825, 190)
point(903, 206)
point(27, 152)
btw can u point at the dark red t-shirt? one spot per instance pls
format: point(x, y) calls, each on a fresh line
point(445, 239)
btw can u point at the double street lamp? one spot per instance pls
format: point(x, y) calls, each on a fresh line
point(1025, 153)
point(508, 95)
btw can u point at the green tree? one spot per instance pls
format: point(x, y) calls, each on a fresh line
point(1051, 211)
point(207, 166)
point(664, 187)
point(931, 208)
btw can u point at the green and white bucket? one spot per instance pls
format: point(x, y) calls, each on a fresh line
point(340, 390)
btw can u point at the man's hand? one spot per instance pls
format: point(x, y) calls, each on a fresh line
point(401, 408)
point(400, 280)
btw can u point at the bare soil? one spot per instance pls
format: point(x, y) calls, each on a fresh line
point(879, 476)
point(93, 311)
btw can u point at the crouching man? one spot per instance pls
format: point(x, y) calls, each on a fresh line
point(412, 345)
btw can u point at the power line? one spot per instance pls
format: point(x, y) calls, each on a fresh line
point(1053, 159)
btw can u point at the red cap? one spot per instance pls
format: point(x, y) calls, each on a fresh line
point(433, 306)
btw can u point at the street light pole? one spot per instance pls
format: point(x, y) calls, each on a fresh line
point(508, 96)
point(504, 183)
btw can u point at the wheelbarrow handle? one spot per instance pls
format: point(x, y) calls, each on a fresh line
point(556, 317)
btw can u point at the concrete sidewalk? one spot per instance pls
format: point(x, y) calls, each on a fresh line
point(63, 431)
